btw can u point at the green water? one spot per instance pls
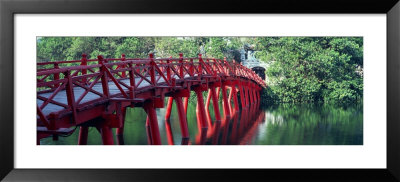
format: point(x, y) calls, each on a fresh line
point(284, 124)
point(312, 124)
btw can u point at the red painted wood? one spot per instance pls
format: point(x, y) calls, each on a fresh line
point(227, 113)
point(169, 108)
point(83, 135)
point(185, 104)
point(207, 108)
point(106, 135)
point(148, 80)
point(202, 115)
point(151, 113)
point(182, 120)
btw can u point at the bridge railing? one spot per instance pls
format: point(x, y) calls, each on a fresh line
point(127, 75)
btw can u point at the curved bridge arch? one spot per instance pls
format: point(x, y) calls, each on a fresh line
point(96, 92)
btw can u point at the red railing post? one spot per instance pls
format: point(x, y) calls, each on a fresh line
point(207, 64)
point(123, 74)
point(104, 78)
point(234, 67)
point(181, 65)
point(200, 66)
point(70, 94)
point(152, 69)
point(131, 75)
point(214, 67)
point(225, 67)
point(168, 70)
point(84, 71)
point(191, 69)
point(56, 75)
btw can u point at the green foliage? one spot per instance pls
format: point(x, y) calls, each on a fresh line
point(53, 48)
point(216, 46)
point(171, 46)
point(72, 48)
point(268, 97)
point(312, 69)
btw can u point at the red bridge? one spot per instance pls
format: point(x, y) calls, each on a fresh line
point(96, 92)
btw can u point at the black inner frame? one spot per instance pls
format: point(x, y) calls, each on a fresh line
point(9, 8)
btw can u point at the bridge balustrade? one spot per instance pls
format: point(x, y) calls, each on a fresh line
point(68, 90)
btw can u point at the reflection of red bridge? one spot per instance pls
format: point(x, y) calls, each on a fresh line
point(95, 93)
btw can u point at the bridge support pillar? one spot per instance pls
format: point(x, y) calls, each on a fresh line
point(148, 132)
point(83, 135)
point(153, 124)
point(182, 121)
point(251, 95)
point(246, 94)
point(235, 98)
point(169, 108)
point(242, 94)
point(201, 115)
point(215, 104)
point(225, 102)
point(185, 104)
point(216, 113)
point(106, 135)
point(230, 100)
point(120, 112)
point(255, 96)
point(218, 90)
point(170, 137)
point(258, 96)
point(207, 107)
point(234, 133)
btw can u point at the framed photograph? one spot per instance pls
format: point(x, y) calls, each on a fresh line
point(287, 90)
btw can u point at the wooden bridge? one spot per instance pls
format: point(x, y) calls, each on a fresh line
point(96, 92)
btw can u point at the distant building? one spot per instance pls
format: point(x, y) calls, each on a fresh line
point(248, 59)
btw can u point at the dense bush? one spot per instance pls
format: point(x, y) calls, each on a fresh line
point(312, 69)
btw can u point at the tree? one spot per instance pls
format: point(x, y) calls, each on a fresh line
point(310, 69)
point(53, 48)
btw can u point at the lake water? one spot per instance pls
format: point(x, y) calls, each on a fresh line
point(283, 124)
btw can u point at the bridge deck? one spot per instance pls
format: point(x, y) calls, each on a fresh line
point(78, 91)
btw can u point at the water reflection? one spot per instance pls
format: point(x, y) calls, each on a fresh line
point(285, 124)
point(312, 124)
